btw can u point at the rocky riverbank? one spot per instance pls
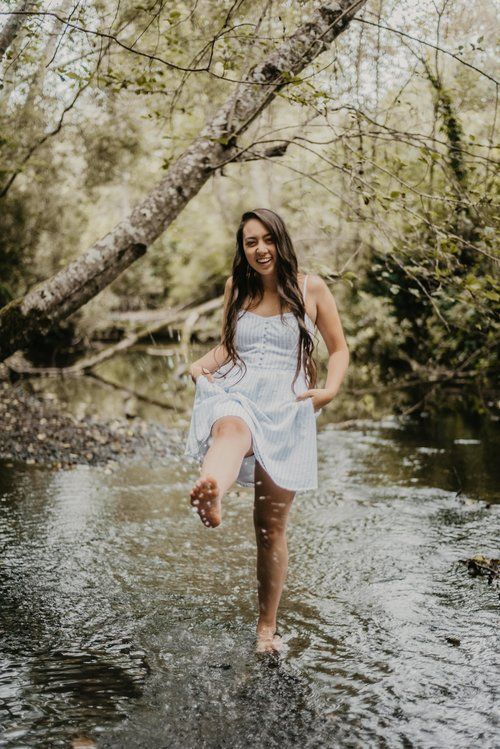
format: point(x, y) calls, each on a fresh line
point(36, 430)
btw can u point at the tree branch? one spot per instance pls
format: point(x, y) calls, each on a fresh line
point(429, 44)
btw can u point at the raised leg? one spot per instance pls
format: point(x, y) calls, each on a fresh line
point(231, 442)
point(271, 507)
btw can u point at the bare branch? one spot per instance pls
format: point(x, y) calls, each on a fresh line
point(429, 44)
point(42, 140)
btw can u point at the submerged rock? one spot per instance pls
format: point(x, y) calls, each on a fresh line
point(480, 565)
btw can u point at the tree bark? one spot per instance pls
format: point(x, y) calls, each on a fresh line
point(23, 319)
point(11, 28)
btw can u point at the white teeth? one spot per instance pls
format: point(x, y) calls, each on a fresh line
point(263, 262)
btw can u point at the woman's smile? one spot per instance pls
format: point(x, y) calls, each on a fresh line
point(265, 262)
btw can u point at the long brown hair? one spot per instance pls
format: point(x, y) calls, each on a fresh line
point(248, 283)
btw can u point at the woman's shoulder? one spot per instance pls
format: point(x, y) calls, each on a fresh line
point(315, 283)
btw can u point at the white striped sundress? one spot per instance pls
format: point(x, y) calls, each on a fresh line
point(283, 429)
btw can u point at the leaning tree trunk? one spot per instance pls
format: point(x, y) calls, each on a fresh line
point(22, 320)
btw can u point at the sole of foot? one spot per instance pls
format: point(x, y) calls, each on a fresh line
point(206, 501)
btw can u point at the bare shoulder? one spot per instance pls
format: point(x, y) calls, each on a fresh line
point(314, 281)
point(317, 286)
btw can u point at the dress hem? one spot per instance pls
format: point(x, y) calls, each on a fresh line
point(199, 460)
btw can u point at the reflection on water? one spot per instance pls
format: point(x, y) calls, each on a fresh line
point(124, 619)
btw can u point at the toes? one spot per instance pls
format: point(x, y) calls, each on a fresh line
point(204, 499)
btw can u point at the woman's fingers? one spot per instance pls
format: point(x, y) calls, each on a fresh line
point(303, 396)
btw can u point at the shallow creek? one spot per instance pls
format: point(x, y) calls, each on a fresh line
point(125, 623)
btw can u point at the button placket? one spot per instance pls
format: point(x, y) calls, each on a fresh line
point(264, 341)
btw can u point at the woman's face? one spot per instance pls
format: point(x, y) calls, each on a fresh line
point(259, 247)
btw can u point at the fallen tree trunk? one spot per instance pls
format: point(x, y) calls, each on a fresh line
point(18, 364)
point(22, 320)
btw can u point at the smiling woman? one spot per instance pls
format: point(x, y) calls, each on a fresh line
point(249, 423)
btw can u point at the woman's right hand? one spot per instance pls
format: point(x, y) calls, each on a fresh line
point(195, 371)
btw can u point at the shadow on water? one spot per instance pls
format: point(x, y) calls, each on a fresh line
point(124, 620)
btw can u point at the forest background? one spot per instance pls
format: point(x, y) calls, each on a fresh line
point(380, 155)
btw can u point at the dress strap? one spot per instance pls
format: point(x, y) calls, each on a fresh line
point(305, 288)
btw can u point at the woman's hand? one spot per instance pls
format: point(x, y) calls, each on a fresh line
point(195, 371)
point(319, 396)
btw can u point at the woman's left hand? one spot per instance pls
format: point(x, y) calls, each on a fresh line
point(319, 396)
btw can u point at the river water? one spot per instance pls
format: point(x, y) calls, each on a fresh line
point(126, 623)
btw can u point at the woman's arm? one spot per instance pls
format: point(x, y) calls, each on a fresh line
point(330, 327)
point(213, 359)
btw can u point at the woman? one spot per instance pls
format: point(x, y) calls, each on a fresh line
point(256, 401)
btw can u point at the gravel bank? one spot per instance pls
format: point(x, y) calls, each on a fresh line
point(35, 430)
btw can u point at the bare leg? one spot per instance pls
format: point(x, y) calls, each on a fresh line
point(231, 442)
point(271, 507)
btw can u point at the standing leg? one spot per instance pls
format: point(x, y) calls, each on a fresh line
point(271, 507)
point(231, 442)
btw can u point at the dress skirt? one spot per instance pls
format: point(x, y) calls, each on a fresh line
point(284, 437)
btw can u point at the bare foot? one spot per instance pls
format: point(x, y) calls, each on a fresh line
point(205, 498)
point(267, 640)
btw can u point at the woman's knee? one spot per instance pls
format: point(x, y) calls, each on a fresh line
point(230, 426)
